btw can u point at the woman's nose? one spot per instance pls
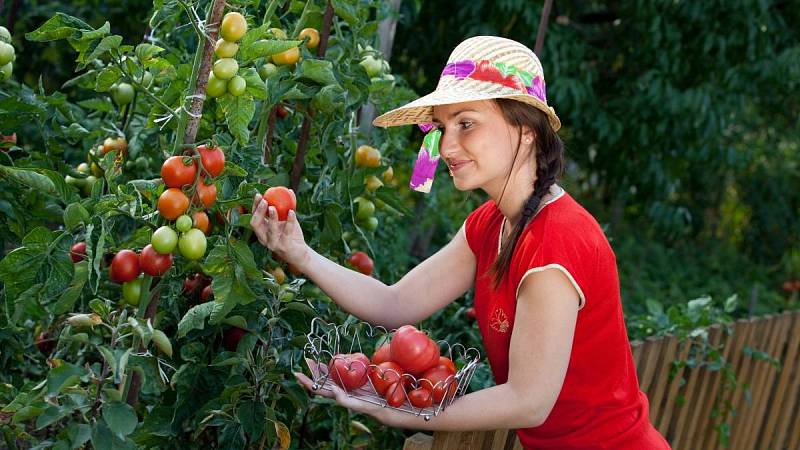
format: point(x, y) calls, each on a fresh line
point(447, 145)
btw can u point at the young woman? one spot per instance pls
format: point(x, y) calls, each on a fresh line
point(546, 286)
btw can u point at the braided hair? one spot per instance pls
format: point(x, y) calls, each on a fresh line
point(549, 165)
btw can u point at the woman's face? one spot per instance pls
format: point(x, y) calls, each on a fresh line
point(478, 144)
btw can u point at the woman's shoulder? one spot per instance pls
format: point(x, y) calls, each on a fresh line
point(567, 222)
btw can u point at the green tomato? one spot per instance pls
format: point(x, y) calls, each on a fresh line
point(147, 79)
point(225, 49)
point(141, 163)
point(164, 240)
point(5, 36)
point(122, 94)
point(83, 168)
point(216, 87)
point(371, 224)
point(6, 71)
point(184, 223)
point(131, 291)
point(6, 53)
point(237, 86)
point(371, 65)
point(225, 68)
point(90, 181)
point(192, 244)
point(72, 181)
point(267, 70)
point(366, 209)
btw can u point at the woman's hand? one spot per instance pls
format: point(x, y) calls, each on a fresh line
point(285, 238)
point(341, 397)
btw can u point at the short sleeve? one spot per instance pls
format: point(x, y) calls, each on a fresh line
point(475, 225)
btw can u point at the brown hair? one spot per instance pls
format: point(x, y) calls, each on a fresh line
point(549, 165)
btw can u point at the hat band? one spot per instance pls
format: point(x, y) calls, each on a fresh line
point(498, 73)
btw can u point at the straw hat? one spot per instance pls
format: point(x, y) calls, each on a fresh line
point(480, 68)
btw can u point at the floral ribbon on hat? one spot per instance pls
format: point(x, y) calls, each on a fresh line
point(427, 159)
point(498, 73)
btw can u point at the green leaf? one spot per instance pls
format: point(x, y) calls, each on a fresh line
point(29, 178)
point(265, 47)
point(67, 299)
point(97, 104)
point(121, 418)
point(60, 26)
point(108, 356)
point(393, 201)
point(107, 77)
point(107, 44)
point(74, 215)
point(145, 52)
point(731, 303)
point(255, 85)
point(347, 10)
point(330, 100)
point(239, 112)
point(232, 170)
point(318, 70)
point(195, 318)
point(64, 376)
point(331, 235)
point(252, 417)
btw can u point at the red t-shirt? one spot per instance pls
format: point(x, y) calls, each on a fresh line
point(600, 404)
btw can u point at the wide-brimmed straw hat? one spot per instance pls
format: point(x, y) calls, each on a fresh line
point(481, 68)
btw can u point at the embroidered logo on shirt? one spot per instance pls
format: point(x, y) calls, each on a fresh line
point(499, 321)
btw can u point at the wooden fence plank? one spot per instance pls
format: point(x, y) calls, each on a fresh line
point(658, 389)
point(791, 371)
point(748, 389)
point(652, 354)
point(499, 438)
point(787, 355)
point(419, 441)
point(741, 365)
point(636, 351)
point(666, 419)
point(697, 391)
point(764, 381)
point(705, 428)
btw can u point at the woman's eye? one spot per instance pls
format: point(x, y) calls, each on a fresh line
point(466, 124)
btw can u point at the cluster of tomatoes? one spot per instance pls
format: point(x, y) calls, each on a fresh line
point(224, 76)
point(408, 368)
point(91, 169)
point(791, 286)
point(7, 55)
point(370, 157)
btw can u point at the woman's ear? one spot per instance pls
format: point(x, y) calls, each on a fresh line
point(527, 136)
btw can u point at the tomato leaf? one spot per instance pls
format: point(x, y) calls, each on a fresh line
point(347, 10)
point(68, 298)
point(74, 215)
point(107, 77)
point(239, 112)
point(29, 178)
point(252, 415)
point(318, 70)
point(195, 318)
point(120, 418)
point(60, 26)
point(105, 45)
point(330, 100)
point(255, 86)
point(265, 47)
point(145, 52)
point(63, 376)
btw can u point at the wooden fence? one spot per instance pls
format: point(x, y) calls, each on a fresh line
point(766, 405)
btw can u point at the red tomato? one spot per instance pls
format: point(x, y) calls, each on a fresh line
point(349, 370)
point(208, 291)
point(201, 222)
point(213, 159)
point(78, 252)
point(178, 171)
point(414, 350)
point(124, 267)
point(396, 395)
point(281, 112)
point(384, 375)
point(439, 380)
point(194, 283)
point(420, 398)
point(446, 362)
point(282, 199)
point(788, 286)
point(381, 354)
point(206, 194)
point(172, 203)
point(154, 263)
point(361, 262)
point(232, 337)
point(470, 313)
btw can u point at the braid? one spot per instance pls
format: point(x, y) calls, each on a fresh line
point(549, 163)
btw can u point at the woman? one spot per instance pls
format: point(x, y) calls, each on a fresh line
point(546, 285)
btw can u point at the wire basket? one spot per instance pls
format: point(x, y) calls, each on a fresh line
point(325, 340)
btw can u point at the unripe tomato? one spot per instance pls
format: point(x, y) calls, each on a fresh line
point(178, 171)
point(6, 71)
point(115, 144)
point(6, 53)
point(184, 223)
point(225, 49)
point(172, 203)
point(213, 159)
point(78, 252)
point(225, 68)
point(83, 168)
point(192, 244)
point(124, 267)
point(5, 36)
point(201, 222)
point(366, 209)
point(131, 291)
point(267, 70)
point(216, 87)
point(153, 263)
point(367, 156)
point(388, 174)
point(122, 94)
point(278, 33)
point(164, 240)
point(206, 194)
point(89, 184)
point(279, 274)
point(313, 37)
point(237, 85)
point(361, 262)
point(282, 199)
point(286, 58)
point(372, 183)
point(371, 224)
point(372, 65)
point(233, 27)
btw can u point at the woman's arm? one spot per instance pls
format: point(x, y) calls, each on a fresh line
point(431, 285)
point(539, 354)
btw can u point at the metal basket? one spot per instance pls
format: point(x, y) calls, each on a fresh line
point(326, 340)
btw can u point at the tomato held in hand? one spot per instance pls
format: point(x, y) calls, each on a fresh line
point(439, 381)
point(172, 203)
point(396, 395)
point(420, 398)
point(384, 375)
point(361, 262)
point(349, 370)
point(382, 354)
point(78, 252)
point(447, 363)
point(124, 267)
point(178, 171)
point(282, 199)
point(213, 159)
point(206, 194)
point(153, 263)
point(414, 350)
